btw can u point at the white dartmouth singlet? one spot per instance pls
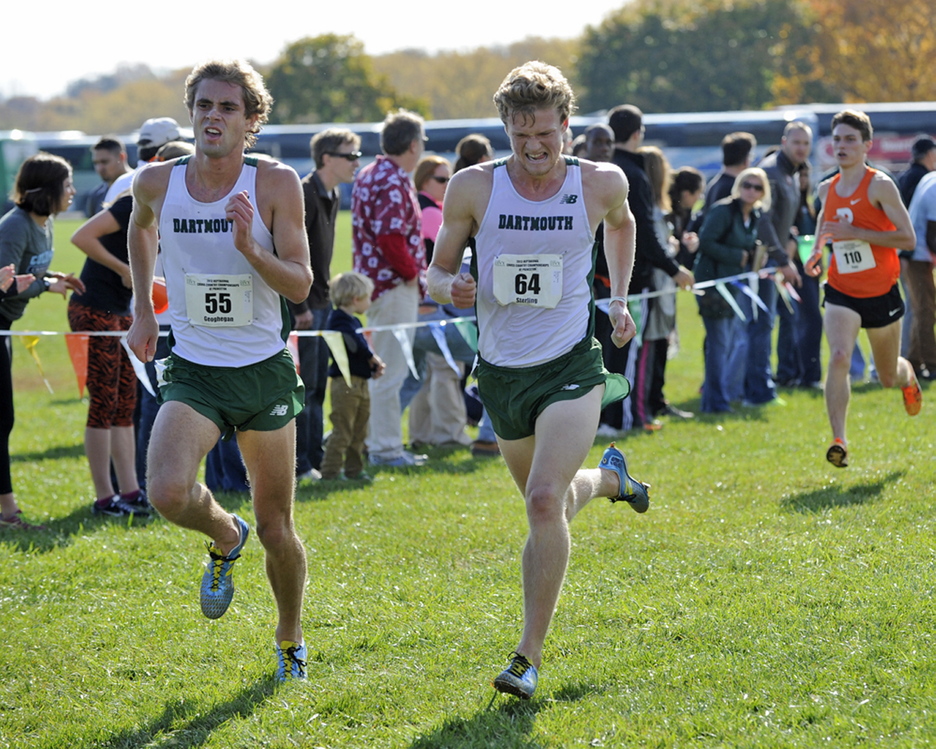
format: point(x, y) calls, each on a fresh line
point(534, 260)
point(222, 312)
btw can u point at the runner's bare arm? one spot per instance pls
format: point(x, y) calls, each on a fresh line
point(149, 187)
point(813, 266)
point(620, 235)
point(445, 280)
point(288, 270)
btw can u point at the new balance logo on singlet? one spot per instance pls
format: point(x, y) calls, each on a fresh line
point(535, 223)
point(569, 199)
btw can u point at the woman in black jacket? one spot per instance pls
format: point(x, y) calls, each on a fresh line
point(727, 247)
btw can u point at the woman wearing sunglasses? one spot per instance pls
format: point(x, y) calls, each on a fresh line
point(727, 246)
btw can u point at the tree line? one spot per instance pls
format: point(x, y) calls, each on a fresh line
point(662, 55)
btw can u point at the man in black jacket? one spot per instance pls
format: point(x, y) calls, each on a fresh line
point(800, 331)
point(924, 161)
point(627, 123)
point(335, 153)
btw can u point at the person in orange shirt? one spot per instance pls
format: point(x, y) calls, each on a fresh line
point(864, 220)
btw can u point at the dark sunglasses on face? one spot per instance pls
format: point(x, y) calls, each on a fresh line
point(353, 156)
point(752, 186)
point(441, 180)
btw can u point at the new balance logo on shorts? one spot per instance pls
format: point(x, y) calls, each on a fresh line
point(568, 198)
point(281, 409)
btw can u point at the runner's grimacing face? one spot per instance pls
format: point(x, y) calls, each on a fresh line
point(536, 141)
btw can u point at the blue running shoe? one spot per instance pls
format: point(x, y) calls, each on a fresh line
point(217, 585)
point(519, 678)
point(632, 491)
point(290, 660)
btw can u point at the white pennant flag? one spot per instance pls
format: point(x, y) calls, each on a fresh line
point(438, 332)
point(729, 297)
point(402, 335)
point(139, 368)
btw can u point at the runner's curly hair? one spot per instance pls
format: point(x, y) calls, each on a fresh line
point(534, 85)
point(257, 100)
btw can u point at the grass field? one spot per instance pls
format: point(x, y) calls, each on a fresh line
point(766, 600)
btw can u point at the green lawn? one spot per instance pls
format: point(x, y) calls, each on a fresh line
point(766, 600)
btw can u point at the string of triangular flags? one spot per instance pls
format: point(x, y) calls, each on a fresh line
point(77, 343)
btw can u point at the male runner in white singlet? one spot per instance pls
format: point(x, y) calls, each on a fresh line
point(541, 378)
point(231, 235)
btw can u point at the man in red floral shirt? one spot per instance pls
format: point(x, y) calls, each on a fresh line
point(388, 249)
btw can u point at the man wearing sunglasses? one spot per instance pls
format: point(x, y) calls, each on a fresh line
point(336, 153)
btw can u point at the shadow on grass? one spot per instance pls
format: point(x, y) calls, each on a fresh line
point(505, 722)
point(60, 532)
point(508, 724)
point(442, 461)
point(57, 452)
point(838, 496)
point(168, 732)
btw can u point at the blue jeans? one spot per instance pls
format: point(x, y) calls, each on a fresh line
point(721, 360)
point(809, 332)
point(788, 354)
point(759, 385)
point(799, 339)
point(737, 357)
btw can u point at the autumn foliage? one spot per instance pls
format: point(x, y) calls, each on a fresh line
point(867, 50)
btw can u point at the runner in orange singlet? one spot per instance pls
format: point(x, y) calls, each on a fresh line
point(866, 223)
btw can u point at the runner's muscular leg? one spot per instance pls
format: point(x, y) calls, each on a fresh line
point(893, 370)
point(547, 468)
point(272, 488)
point(842, 326)
point(180, 440)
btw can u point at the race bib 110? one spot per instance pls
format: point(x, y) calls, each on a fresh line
point(853, 255)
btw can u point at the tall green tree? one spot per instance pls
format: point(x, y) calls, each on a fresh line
point(688, 55)
point(329, 78)
point(462, 84)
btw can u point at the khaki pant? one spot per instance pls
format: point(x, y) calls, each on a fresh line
point(398, 305)
point(437, 414)
point(349, 416)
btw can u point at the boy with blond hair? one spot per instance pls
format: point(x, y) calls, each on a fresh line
point(351, 294)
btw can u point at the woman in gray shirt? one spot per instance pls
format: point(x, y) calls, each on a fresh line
point(43, 188)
